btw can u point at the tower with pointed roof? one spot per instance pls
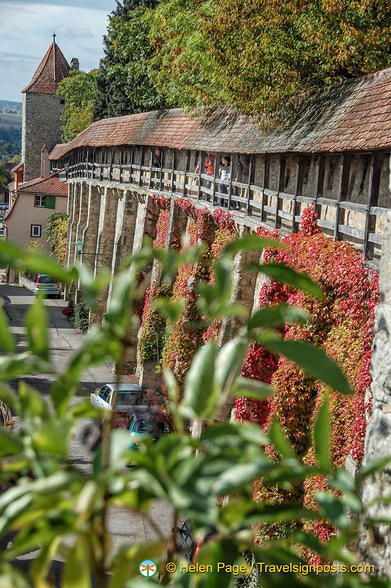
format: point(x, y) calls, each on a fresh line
point(42, 108)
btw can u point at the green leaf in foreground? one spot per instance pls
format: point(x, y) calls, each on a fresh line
point(199, 383)
point(322, 436)
point(276, 316)
point(249, 388)
point(7, 340)
point(312, 359)
point(285, 274)
point(37, 329)
point(252, 243)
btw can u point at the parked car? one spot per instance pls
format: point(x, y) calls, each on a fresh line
point(151, 422)
point(47, 285)
point(6, 419)
point(128, 397)
point(186, 542)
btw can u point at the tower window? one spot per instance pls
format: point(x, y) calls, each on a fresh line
point(62, 101)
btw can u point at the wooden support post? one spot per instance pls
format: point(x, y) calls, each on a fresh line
point(231, 168)
point(141, 165)
point(150, 170)
point(342, 193)
point(319, 182)
point(131, 165)
point(373, 197)
point(199, 160)
point(281, 186)
point(173, 172)
point(250, 180)
point(120, 167)
point(162, 158)
point(111, 165)
point(265, 182)
point(298, 192)
point(214, 180)
point(184, 190)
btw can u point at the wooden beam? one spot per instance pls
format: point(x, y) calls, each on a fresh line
point(319, 180)
point(265, 182)
point(186, 170)
point(372, 199)
point(162, 159)
point(342, 193)
point(231, 167)
point(150, 170)
point(200, 161)
point(111, 165)
point(281, 187)
point(120, 166)
point(131, 161)
point(173, 171)
point(141, 165)
point(298, 191)
point(214, 179)
point(250, 178)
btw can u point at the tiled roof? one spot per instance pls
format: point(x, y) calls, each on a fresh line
point(50, 185)
point(354, 116)
point(52, 69)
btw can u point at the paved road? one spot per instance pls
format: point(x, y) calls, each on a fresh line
point(64, 340)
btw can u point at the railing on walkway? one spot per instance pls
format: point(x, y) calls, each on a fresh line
point(358, 223)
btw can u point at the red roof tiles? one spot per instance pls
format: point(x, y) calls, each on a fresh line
point(354, 116)
point(52, 69)
point(50, 185)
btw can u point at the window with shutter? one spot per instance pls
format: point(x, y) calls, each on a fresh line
point(50, 202)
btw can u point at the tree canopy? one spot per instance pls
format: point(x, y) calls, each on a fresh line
point(5, 176)
point(125, 83)
point(79, 90)
point(262, 56)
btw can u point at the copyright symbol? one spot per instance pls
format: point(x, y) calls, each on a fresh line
point(170, 567)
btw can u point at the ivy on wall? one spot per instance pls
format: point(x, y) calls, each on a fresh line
point(183, 338)
point(342, 324)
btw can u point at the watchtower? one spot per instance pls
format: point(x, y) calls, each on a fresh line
point(42, 108)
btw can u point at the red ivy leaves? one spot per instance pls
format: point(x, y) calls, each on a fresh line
point(342, 324)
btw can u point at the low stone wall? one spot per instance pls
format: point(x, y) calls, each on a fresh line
point(30, 285)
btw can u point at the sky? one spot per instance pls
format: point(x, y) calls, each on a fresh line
point(26, 32)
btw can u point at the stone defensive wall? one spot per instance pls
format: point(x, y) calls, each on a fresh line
point(336, 154)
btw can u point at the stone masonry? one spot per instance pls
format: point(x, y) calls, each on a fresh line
point(375, 542)
point(41, 124)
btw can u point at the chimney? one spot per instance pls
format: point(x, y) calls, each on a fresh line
point(45, 164)
point(74, 63)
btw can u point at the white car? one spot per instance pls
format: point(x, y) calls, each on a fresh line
point(128, 397)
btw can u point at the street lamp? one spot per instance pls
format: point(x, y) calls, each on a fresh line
point(88, 256)
point(79, 246)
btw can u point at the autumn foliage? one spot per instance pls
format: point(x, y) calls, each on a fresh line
point(342, 325)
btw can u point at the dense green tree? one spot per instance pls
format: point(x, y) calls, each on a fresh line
point(5, 177)
point(264, 55)
point(79, 90)
point(8, 150)
point(125, 84)
point(12, 135)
